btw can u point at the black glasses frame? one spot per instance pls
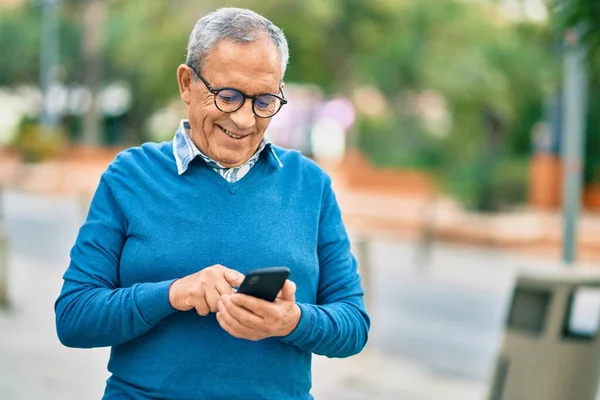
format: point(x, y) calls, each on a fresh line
point(215, 92)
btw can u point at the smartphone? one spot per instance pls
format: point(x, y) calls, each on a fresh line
point(264, 283)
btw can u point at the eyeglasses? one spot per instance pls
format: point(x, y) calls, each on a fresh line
point(229, 100)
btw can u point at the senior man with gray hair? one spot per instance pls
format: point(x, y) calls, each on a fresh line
point(174, 226)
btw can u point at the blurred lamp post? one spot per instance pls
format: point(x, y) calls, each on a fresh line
point(49, 58)
point(3, 259)
point(575, 101)
point(492, 128)
point(363, 255)
point(94, 17)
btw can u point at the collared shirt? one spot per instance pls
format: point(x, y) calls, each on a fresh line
point(185, 151)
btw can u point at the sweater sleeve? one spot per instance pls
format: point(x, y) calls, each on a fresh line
point(338, 325)
point(92, 310)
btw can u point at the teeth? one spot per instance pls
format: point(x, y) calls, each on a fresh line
point(231, 134)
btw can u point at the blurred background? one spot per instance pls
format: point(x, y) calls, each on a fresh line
point(462, 137)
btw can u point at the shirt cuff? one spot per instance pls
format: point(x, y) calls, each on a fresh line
point(153, 301)
point(304, 327)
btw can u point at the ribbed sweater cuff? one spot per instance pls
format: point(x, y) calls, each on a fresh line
point(153, 300)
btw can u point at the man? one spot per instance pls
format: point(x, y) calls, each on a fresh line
point(173, 228)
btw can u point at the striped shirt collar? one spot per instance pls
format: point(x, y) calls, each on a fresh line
point(184, 151)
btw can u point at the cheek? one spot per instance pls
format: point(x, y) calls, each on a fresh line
point(262, 124)
point(202, 106)
point(204, 113)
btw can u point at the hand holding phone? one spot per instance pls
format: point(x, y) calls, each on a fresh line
point(249, 317)
point(264, 283)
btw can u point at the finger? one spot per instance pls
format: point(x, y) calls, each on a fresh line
point(243, 315)
point(202, 308)
point(223, 287)
point(252, 304)
point(221, 307)
point(226, 327)
point(288, 292)
point(234, 328)
point(233, 277)
point(212, 298)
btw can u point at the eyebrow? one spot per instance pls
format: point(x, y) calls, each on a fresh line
point(252, 93)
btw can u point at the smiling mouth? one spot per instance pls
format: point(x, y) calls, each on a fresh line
point(232, 135)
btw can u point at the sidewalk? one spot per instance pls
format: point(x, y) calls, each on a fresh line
point(34, 365)
point(373, 376)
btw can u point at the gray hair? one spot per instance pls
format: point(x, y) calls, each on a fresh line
point(238, 24)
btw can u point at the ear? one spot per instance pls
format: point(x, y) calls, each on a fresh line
point(184, 79)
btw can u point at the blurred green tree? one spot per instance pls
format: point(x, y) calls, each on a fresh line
point(463, 52)
point(20, 45)
point(584, 17)
point(584, 14)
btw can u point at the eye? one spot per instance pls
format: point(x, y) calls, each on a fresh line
point(229, 96)
point(265, 102)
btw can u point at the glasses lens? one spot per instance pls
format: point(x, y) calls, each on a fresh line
point(229, 100)
point(266, 105)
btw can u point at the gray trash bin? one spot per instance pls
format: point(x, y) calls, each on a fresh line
point(551, 347)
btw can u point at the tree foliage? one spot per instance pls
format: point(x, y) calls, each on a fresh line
point(582, 14)
point(464, 51)
point(583, 17)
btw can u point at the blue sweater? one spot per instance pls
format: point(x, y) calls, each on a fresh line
point(147, 226)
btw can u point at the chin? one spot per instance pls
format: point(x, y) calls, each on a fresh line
point(233, 160)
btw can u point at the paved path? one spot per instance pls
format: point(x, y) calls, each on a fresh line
point(33, 364)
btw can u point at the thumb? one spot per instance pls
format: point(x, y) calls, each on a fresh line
point(288, 292)
point(233, 277)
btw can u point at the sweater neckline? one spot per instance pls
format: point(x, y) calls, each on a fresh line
point(233, 187)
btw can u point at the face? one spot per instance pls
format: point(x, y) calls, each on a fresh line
point(252, 68)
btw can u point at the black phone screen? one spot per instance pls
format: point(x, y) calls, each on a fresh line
point(264, 283)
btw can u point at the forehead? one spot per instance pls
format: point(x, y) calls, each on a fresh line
point(251, 67)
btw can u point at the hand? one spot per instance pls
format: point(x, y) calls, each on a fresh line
point(203, 289)
point(247, 317)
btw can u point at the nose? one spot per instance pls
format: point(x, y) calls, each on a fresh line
point(244, 118)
